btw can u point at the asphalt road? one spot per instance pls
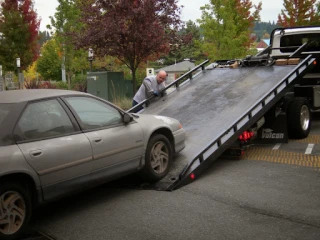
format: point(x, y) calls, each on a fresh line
point(233, 199)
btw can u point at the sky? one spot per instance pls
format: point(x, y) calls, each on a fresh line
point(190, 11)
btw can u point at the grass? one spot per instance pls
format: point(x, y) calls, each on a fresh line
point(120, 99)
point(123, 102)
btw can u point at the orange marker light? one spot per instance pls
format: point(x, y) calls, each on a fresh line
point(192, 176)
point(314, 62)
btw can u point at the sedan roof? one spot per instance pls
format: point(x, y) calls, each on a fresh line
point(16, 96)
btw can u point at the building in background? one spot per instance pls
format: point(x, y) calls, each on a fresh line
point(177, 69)
point(263, 44)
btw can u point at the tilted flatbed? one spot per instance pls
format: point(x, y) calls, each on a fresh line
point(217, 103)
point(215, 107)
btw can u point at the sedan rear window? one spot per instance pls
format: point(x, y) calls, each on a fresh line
point(44, 119)
point(4, 111)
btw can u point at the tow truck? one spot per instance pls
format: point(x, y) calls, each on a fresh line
point(225, 104)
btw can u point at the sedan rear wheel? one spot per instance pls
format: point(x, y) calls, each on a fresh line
point(158, 158)
point(15, 210)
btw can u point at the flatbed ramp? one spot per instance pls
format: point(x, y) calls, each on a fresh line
point(215, 107)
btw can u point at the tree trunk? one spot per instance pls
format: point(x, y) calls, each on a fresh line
point(69, 81)
point(133, 70)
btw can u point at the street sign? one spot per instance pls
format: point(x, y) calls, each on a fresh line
point(150, 72)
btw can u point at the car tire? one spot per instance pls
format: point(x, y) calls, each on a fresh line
point(299, 118)
point(15, 207)
point(158, 158)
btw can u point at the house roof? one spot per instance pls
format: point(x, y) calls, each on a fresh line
point(178, 67)
point(262, 44)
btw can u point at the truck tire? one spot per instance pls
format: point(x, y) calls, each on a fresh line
point(158, 158)
point(15, 208)
point(299, 118)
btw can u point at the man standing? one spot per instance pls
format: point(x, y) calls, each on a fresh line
point(151, 85)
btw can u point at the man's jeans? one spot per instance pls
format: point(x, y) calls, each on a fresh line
point(134, 103)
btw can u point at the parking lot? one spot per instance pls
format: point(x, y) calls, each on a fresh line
point(270, 193)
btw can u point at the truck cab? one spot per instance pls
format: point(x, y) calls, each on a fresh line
point(285, 42)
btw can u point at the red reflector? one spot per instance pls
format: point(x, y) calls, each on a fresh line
point(315, 62)
point(192, 176)
point(247, 135)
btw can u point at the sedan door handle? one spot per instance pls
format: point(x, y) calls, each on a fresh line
point(36, 153)
point(97, 140)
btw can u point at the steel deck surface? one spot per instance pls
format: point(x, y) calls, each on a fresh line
point(210, 103)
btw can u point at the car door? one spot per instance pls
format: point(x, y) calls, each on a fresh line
point(117, 147)
point(54, 146)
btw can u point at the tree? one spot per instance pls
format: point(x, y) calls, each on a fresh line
point(43, 37)
point(299, 13)
point(19, 33)
point(188, 48)
point(227, 27)
point(49, 64)
point(65, 22)
point(134, 31)
point(30, 74)
point(266, 36)
point(262, 28)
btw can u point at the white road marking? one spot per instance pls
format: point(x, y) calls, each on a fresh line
point(309, 148)
point(277, 146)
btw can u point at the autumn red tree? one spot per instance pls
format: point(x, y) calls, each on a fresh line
point(131, 30)
point(19, 27)
point(299, 13)
point(32, 22)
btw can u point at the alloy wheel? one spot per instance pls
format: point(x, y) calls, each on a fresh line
point(12, 212)
point(159, 157)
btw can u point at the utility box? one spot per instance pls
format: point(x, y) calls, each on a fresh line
point(109, 85)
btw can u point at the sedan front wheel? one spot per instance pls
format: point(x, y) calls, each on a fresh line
point(158, 158)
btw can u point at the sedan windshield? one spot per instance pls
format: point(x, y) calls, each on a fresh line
point(4, 111)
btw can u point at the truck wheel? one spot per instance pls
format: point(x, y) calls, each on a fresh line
point(299, 118)
point(15, 210)
point(158, 158)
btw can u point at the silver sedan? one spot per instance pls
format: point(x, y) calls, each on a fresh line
point(57, 142)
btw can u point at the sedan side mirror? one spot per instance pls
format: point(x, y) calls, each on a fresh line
point(127, 118)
